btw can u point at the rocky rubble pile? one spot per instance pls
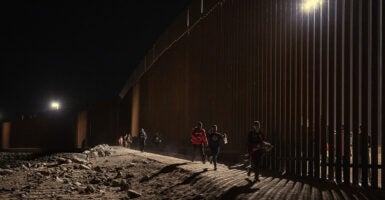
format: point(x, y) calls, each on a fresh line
point(101, 150)
point(73, 173)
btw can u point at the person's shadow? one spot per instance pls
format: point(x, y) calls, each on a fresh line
point(233, 192)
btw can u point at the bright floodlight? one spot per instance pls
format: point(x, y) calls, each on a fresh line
point(309, 5)
point(55, 105)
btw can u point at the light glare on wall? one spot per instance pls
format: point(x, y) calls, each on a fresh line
point(309, 5)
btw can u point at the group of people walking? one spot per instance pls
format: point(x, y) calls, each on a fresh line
point(200, 140)
point(256, 145)
point(212, 141)
point(127, 139)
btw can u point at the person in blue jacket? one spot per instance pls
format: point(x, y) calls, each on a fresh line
point(214, 140)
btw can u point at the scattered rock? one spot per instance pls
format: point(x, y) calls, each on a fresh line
point(90, 189)
point(131, 165)
point(79, 160)
point(81, 190)
point(108, 153)
point(38, 174)
point(61, 160)
point(59, 180)
point(99, 169)
point(129, 175)
point(133, 194)
point(6, 171)
point(95, 180)
point(101, 154)
point(124, 185)
point(119, 174)
point(53, 195)
point(24, 167)
point(94, 154)
point(66, 180)
point(77, 184)
point(115, 183)
point(144, 178)
point(82, 166)
point(44, 172)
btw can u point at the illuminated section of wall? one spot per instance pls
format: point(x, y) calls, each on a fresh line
point(135, 111)
point(81, 131)
point(6, 130)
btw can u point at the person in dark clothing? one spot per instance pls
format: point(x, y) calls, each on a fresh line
point(157, 140)
point(199, 141)
point(214, 139)
point(255, 149)
point(142, 139)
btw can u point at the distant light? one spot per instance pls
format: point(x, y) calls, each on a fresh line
point(55, 105)
point(309, 5)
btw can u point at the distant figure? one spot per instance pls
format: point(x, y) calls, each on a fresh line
point(255, 149)
point(199, 141)
point(214, 139)
point(157, 140)
point(142, 139)
point(127, 140)
point(120, 141)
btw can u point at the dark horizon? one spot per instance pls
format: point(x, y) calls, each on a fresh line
point(76, 53)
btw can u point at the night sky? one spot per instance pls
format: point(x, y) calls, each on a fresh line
point(77, 52)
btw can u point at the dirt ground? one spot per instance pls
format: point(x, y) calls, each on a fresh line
point(71, 176)
point(105, 172)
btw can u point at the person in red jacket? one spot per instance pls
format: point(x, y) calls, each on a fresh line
point(199, 141)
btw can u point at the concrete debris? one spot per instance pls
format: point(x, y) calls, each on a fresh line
point(133, 194)
point(76, 176)
point(24, 167)
point(79, 160)
point(102, 150)
point(59, 179)
point(94, 154)
point(84, 167)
